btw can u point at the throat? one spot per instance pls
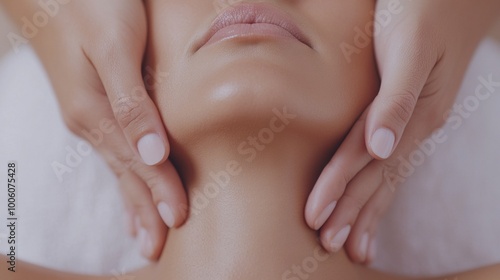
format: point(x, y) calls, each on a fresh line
point(247, 222)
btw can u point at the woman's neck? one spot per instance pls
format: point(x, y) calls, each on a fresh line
point(246, 217)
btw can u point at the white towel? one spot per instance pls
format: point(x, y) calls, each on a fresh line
point(444, 218)
point(73, 225)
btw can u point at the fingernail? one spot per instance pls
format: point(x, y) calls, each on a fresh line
point(338, 241)
point(145, 242)
point(372, 251)
point(166, 214)
point(363, 246)
point(321, 219)
point(151, 149)
point(382, 142)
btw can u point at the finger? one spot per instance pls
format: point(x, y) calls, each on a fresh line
point(167, 191)
point(358, 249)
point(348, 160)
point(151, 230)
point(338, 227)
point(404, 73)
point(137, 115)
point(101, 129)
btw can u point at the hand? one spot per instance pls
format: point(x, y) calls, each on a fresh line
point(422, 55)
point(93, 52)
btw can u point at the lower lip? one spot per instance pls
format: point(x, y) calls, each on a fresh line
point(249, 30)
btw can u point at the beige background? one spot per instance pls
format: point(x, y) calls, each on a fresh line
point(6, 27)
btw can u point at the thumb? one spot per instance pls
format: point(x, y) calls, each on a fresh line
point(403, 77)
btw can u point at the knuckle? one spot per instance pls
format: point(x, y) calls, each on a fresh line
point(121, 163)
point(128, 112)
point(434, 115)
point(378, 208)
point(376, 211)
point(142, 206)
point(74, 111)
point(152, 179)
point(116, 166)
point(157, 192)
point(403, 105)
point(354, 203)
point(388, 166)
point(391, 177)
point(71, 123)
point(154, 183)
point(344, 176)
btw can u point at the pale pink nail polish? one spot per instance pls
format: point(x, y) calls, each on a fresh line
point(363, 246)
point(339, 239)
point(320, 221)
point(382, 142)
point(151, 149)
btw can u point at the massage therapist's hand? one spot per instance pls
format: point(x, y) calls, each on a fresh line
point(92, 51)
point(422, 54)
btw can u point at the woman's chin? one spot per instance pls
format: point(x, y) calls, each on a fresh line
point(229, 113)
point(229, 100)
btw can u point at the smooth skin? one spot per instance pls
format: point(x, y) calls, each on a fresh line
point(422, 55)
point(235, 232)
point(340, 202)
point(252, 226)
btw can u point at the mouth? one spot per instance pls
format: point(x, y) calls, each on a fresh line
point(253, 20)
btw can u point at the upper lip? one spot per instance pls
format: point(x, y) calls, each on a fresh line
point(249, 13)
